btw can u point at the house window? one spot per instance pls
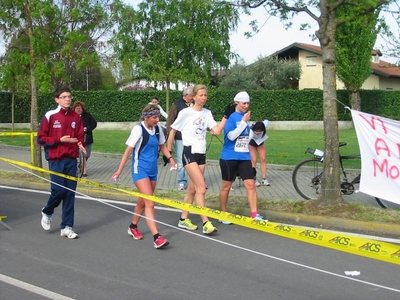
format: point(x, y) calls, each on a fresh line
point(311, 61)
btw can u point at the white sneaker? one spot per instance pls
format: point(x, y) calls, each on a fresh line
point(265, 182)
point(46, 221)
point(256, 182)
point(69, 233)
point(181, 187)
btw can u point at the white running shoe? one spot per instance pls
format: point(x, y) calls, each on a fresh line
point(46, 221)
point(181, 187)
point(265, 182)
point(69, 233)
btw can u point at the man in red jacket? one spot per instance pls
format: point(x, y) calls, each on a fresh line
point(61, 134)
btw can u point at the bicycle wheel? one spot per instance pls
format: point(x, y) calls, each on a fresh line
point(81, 161)
point(307, 178)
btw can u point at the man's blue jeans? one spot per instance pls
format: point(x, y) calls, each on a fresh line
point(62, 190)
point(181, 169)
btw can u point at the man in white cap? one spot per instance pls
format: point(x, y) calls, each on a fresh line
point(235, 157)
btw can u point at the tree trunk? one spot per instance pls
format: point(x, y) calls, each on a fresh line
point(37, 154)
point(12, 109)
point(330, 193)
point(355, 100)
point(167, 94)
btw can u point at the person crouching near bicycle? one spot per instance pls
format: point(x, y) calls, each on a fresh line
point(235, 157)
point(256, 145)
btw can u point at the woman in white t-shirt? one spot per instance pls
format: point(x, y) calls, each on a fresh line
point(193, 122)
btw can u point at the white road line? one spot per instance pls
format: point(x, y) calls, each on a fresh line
point(32, 288)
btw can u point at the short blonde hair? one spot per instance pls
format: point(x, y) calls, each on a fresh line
point(199, 87)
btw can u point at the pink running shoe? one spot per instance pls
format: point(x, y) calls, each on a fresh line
point(160, 242)
point(135, 233)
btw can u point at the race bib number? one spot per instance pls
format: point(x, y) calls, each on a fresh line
point(242, 144)
point(199, 146)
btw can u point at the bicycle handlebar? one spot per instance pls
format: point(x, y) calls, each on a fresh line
point(320, 153)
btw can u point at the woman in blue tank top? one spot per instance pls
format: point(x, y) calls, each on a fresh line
point(143, 143)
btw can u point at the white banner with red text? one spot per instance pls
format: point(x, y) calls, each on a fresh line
point(379, 142)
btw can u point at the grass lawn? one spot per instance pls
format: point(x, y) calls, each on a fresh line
point(284, 147)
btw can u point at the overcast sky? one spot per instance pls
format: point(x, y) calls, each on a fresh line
point(271, 37)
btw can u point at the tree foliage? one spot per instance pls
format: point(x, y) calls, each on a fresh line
point(65, 38)
point(267, 73)
point(238, 77)
point(354, 44)
point(107, 80)
point(177, 40)
point(272, 73)
point(49, 36)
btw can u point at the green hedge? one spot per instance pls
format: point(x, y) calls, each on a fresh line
point(283, 105)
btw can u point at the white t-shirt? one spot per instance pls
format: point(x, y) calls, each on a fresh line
point(258, 137)
point(193, 125)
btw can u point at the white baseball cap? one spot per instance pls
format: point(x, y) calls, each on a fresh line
point(242, 97)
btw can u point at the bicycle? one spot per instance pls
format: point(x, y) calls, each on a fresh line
point(307, 176)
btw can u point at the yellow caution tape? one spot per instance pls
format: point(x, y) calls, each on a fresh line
point(32, 139)
point(17, 133)
point(338, 241)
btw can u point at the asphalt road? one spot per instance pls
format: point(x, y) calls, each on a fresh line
point(105, 263)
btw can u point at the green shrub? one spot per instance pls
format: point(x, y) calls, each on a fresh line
point(282, 105)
